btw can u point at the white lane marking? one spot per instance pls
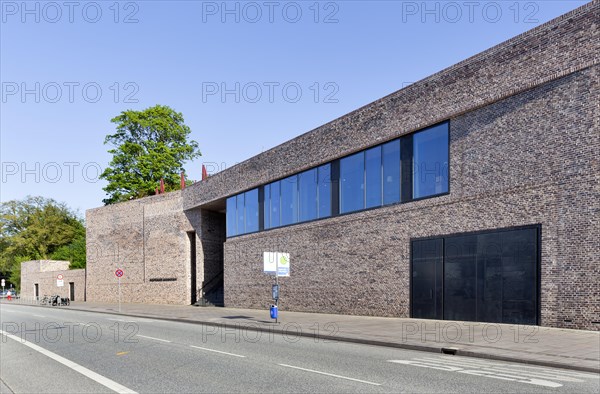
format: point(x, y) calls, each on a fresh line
point(488, 372)
point(106, 382)
point(216, 351)
point(539, 372)
point(39, 316)
point(156, 339)
point(123, 321)
point(330, 374)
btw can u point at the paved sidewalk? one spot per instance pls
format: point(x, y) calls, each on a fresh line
point(564, 348)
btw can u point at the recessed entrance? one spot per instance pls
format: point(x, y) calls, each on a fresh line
point(194, 290)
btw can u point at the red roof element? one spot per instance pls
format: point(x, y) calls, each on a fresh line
point(204, 173)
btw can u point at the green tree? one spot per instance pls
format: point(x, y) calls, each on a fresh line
point(38, 228)
point(148, 146)
point(74, 252)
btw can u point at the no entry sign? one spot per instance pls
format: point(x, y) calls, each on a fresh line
point(119, 273)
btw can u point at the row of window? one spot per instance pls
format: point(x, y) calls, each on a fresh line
point(367, 179)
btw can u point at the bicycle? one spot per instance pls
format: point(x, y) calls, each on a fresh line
point(45, 300)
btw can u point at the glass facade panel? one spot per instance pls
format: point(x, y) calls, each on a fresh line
point(373, 177)
point(251, 205)
point(241, 225)
point(307, 190)
point(324, 192)
point(391, 172)
point(352, 183)
point(430, 161)
point(289, 200)
point(275, 205)
point(367, 179)
point(231, 217)
point(267, 207)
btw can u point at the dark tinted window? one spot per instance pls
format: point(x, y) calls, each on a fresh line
point(289, 200)
point(373, 171)
point(241, 224)
point(352, 183)
point(430, 161)
point(275, 204)
point(267, 206)
point(231, 217)
point(251, 205)
point(307, 190)
point(324, 173)
point(391, 172)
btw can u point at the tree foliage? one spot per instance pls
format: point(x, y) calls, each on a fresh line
point(148, 146)
point(39, 228)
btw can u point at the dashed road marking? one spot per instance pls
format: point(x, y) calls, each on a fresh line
point(217, 351)
point(156, 339)
point(330, 374)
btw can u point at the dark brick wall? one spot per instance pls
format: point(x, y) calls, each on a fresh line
point(528, 159)
point(524, 148)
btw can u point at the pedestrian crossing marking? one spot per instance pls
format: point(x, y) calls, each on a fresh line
point(539, 376)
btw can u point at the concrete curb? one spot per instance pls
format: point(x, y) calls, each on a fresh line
point(423, 348)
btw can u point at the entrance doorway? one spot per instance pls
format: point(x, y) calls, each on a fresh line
point(490, 276)
point(36, 291)
point(193, 287)
point(72, 291)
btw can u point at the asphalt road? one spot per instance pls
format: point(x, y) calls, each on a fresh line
point(59, 350)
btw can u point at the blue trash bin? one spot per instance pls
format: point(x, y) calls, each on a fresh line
point(273, 311)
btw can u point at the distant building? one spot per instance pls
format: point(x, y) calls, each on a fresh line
point(52, 277)
point(470, 195)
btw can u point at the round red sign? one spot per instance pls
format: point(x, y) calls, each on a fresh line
point(119, 273)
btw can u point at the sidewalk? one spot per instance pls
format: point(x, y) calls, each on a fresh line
point(563, 348)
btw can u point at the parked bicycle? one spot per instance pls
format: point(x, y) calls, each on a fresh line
point(45, 300)
point(57, 300)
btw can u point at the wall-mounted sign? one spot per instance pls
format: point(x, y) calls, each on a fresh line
point(60, 282)
point(276, 263)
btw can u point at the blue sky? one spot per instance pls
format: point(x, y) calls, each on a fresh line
point(285, 67)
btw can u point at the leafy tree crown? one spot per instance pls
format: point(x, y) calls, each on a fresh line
point(148, 146)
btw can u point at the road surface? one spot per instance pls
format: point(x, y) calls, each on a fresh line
point(55, 349)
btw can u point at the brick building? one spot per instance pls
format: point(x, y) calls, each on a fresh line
point(473, 194)
point(52, 277)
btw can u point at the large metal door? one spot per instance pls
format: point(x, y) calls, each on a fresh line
point(489, 276)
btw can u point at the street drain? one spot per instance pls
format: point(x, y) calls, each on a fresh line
point(449, 350)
